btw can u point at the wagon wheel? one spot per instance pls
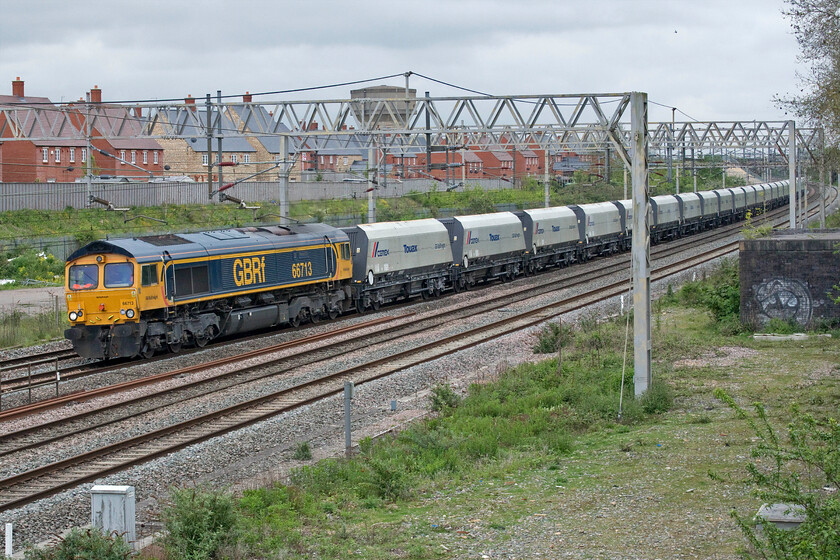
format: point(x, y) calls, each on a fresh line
point(174, 347)
point(295, 321)
point(147, 351)
point(375, 303)
point(333, 313)
point(361, 306)
point(457, 286)
point(315, 315)
point(206, 336)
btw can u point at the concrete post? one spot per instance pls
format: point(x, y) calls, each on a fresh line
point(792, 173)
point(349, 389)
point(640, 254)
point(9, 543)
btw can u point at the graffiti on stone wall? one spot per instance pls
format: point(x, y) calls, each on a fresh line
point(785, 299)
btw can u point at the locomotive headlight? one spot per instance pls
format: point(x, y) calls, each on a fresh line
point(74, 316)
point(130, 313)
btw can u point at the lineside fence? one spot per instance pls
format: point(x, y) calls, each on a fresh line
point(58, 196)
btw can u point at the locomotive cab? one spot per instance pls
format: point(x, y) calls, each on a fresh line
point(102, 300)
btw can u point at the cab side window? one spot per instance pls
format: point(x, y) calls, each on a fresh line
point(148, 275)
point(345, 251)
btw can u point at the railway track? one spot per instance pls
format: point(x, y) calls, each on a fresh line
point(49, 479)
point(69, 373)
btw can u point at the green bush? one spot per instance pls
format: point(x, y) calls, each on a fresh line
point(31, 264)
point(199, 521)
point(720, 293)
point(658, 398)
point(443, 397)
point(83, 544)
point(802, 468)
point(302, 452)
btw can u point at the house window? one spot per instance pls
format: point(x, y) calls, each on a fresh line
point(322, 160)
point(84, 155)
point(234, 158)
point(331, 160)
point(58, 155)
point(122, 157)
point(72, 155)
point(345, 161)
point(45, 153)
point(246, 158)
point(133, 156)
point(155, 155)
point(145, 157)
point(205, 159)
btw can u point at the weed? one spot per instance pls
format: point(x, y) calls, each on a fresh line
point(302, 452)
point(443, 398)
point(658, 398)
point(198, 520)
point(83, 543)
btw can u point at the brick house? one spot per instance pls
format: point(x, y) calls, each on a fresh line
point(32, 160)
point(188, 156)
point(65, 158)
point(132, 147)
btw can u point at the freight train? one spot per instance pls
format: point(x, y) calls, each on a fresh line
point(138, 296)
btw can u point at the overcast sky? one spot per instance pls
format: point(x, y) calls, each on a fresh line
point(712, 59)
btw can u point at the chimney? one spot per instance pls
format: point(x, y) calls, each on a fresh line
point(313, 126)
point(190, 101)
point(96, 95)
point(247, 97)
point(17, 87)
point(138, 112)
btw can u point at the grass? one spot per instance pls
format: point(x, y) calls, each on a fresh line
point(21, 329)
point(538, 462)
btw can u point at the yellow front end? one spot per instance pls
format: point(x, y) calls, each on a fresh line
point(101, 293)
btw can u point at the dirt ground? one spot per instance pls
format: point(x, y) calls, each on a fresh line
point(32, 300)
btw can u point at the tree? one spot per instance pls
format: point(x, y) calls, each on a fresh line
point(816, 25)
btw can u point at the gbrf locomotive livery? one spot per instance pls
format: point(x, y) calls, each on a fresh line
point(130, 297)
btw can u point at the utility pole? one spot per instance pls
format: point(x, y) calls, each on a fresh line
point(792, 200)
point(822, 178)
point(219, 133)
point(89, 153)
point(283, 176)
point(371, 217)
point(670, 148)
point(640, 253)
point(546, 180)
point(209, 129)
point(428, 136)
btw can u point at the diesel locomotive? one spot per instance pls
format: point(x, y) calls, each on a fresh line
point(138, 296)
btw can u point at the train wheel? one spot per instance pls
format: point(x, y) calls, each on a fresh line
point(457, 286)
point(315, 315)
point(201, 341)
point(375, 304)
point(147, 351)
point(174, 347)
point(295, 321)
point(361, 306)
point(333, 313)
